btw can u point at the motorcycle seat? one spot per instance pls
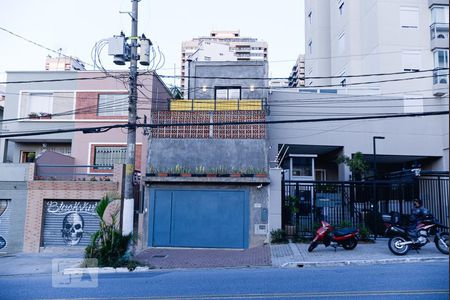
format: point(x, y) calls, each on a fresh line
point(344, 231)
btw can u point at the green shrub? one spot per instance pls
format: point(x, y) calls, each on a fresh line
point(108, 245)
point(364, 232)
point(278, 236)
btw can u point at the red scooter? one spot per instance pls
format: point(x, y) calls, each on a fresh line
point(345, 237)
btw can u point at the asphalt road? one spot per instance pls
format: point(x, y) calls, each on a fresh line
point(394, 281)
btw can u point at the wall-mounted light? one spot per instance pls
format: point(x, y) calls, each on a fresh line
point(204, 88)
point(252, 88)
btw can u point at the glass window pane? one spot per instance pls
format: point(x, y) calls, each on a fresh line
point(221, 94)
point(40, 103)
point(113, 105)
point(234, 94)
point(302, 166)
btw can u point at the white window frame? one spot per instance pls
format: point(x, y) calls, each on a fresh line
point(409, 17)
point(41, 96)
point(292, 156)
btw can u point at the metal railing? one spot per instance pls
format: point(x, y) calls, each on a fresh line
point(439, 31)
point(74, 172)
point(306, 203)
point(215, 104)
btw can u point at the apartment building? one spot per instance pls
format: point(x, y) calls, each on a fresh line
point(297, 76)
point(347, 37)
point(242, 48)
point(55, 100)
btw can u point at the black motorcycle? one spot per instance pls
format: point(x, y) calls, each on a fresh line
point(402, 240)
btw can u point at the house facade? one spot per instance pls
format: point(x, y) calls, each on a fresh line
point(201, 184)
point(67, 100)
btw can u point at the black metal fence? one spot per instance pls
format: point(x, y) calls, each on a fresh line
point(358, 203)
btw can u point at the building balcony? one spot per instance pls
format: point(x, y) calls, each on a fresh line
point(439, 35)
point(440, 82)
point(215, 105)
point(437, 2)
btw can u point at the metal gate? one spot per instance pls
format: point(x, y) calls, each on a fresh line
point(5, 215)
point(358, 203)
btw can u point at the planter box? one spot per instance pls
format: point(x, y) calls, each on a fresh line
point(235, 175)
point(163, 174)
point(186, 174)
point(211, 175)
point(261, 175)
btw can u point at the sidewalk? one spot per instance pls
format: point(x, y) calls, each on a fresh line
point(277, 255)
point(297, 255)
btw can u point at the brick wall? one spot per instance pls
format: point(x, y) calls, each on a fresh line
point(254, 131)
point(38, 191)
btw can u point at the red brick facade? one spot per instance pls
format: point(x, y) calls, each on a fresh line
point(254, 131)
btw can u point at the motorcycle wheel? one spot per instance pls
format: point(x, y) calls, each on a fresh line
point(350, 244)
point(396, 248)
point(312, 246)
point(442, 243)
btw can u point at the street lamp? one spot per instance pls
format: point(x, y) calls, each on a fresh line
point(375, 201)
point(375, 155)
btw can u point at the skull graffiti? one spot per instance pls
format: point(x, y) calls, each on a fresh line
point(72, 231)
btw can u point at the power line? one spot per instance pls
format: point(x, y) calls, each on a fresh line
point(100, 129)
point(39, 45)
point(306, 77)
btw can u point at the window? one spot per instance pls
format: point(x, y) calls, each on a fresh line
point(112, 105)
point(40, 103)
point(409, 17)
point(302, 166)
point(310, 47)
point(439, 14)
point(105, 157)
point(341, 43)
point(227, 93)
point(341, 8)
point(440, 61)
point(411, 60)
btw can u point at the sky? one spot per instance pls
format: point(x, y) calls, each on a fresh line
point(76, 25)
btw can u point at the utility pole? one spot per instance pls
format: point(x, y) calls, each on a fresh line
point(127, 52)
point(128, 201)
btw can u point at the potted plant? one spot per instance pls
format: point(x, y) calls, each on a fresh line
point(260, 173)
point(151, 171)
point(175, 171)
point(33, 115)
point(185, 172)
point(211, 172)
point(235, 173)
point(199, 171)
point(249, 172)
point(45, 115)
point(162, 173)
point(222, 172)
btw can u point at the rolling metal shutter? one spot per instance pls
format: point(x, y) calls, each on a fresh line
point(69, 222)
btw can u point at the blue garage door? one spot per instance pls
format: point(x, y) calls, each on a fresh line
point(198, 218)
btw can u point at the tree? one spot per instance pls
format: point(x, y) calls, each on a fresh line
point(357, 164)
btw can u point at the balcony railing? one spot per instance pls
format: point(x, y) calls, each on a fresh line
point(439, 31)
point(215, 105)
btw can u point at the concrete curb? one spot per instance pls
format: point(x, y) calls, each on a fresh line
point(105, 270)
point(301, 264)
